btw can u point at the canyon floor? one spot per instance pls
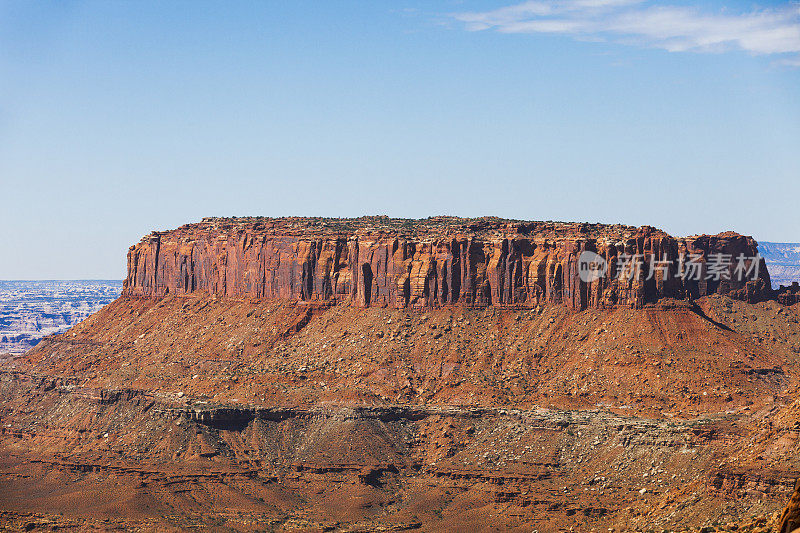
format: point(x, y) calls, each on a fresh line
point(205, 413)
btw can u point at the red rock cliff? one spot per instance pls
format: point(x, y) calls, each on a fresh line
point(432, 262)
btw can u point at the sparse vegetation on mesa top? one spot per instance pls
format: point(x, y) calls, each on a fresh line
point(430, 226)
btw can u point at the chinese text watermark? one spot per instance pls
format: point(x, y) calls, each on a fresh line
point(695, 267)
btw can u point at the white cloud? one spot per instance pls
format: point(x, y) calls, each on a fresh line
point(790, 62)
point(673, 28)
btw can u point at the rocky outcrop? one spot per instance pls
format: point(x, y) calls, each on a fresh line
point(790, 519)
point(377, 261)
point(245, 412)
point(788, 294)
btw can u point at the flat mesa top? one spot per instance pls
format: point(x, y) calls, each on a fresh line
point(425, 228)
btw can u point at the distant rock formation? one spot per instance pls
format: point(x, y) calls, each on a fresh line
point(432, 262)
point(783, 261)
point(31, 310)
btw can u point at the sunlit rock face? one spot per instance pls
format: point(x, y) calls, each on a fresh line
point(30, 310)
point(435, 262)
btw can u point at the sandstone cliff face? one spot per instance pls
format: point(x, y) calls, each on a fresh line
point(378, 261)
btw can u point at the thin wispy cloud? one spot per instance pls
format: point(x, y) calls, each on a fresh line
point(774, 32)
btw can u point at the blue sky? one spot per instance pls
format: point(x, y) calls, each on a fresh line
point(118, 118)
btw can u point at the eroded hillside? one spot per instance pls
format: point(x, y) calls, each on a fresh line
point(233, 412)
point(199, 411)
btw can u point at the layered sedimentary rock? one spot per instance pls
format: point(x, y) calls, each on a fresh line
point(206, 413)
point(439, 261)
point(175, 409)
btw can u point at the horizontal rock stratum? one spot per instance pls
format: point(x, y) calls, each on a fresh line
point(222, 392)
point(402, 263)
